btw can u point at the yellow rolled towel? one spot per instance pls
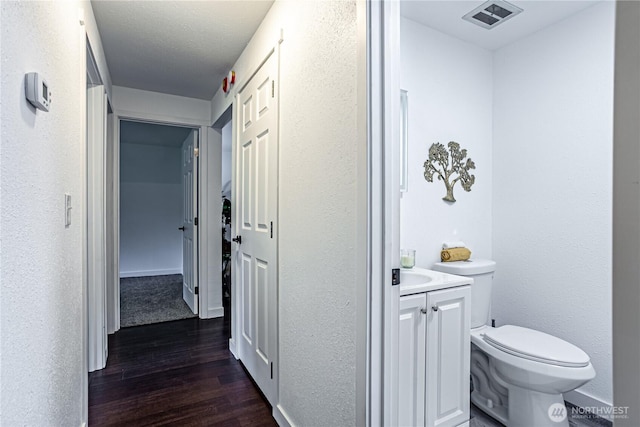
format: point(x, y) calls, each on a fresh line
point(455, 254)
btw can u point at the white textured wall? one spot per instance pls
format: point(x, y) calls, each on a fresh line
point(318, 187)
point(449, 84)
point(318, 222)
point(552, 185)
point(150, 210)
point(41, 260)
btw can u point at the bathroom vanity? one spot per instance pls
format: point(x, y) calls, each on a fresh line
point(434, 349)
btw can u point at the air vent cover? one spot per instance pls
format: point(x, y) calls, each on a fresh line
point(492, 13)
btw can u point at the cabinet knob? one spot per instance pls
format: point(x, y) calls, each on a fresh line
point(434, 308)
point(423, 310)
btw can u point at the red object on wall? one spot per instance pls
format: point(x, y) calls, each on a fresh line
point(228, 81)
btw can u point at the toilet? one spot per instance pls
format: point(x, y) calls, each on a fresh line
point(518, 374)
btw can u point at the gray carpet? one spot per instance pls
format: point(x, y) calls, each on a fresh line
point(145, 300)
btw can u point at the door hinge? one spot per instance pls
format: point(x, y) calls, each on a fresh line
point(196, 291)
point(395, 276)
point(271, 370)
point(195, 221)
point(273, 88)
point(196, 151)
point(272, 229)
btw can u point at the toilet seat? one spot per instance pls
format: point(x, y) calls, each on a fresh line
point(536, 346)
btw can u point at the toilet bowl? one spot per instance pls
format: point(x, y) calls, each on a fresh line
point(518, 374)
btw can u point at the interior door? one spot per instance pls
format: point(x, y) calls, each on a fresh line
point(255, 226)
point(189, 221)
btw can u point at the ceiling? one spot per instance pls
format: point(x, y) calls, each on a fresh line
point(446, 17)
point(187, 47)
point(152, 134)
point(177, 47)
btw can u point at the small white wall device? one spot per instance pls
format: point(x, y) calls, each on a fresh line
point(37, 91)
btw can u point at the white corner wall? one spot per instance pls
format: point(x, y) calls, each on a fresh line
point(150, 210)
point(319, 183)
point(449, 84)
point(42, 156)
point(626, 214)
point(552, 201)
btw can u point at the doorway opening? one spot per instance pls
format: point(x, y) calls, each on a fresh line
point(227, 208)
point(158, 216)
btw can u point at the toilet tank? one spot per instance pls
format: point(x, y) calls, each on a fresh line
point(481, 271)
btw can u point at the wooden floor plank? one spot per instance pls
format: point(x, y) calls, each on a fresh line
point(174, 373)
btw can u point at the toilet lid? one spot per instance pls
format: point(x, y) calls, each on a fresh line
point(535, 345)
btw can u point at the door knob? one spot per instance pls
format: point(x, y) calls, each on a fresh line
point(181, 228)
point(237, 239)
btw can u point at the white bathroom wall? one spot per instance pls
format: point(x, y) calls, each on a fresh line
point(450, 99)
point(553, 110)
point(150, 210)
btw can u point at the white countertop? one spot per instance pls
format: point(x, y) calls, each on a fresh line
point(416, 280)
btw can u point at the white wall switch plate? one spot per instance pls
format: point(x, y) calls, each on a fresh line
point(67, 209)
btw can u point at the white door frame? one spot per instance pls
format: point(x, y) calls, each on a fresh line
point(96, 225)
point(113, 218)
point(96, 219)
point(383, 131)
point(209, 279)
point(205, 222)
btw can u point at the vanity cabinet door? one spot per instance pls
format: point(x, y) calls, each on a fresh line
point(411, 360)
point(448, 356)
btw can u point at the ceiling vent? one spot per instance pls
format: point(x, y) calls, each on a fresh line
point(492, 13)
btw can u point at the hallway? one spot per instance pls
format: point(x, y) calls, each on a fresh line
point(174, 373)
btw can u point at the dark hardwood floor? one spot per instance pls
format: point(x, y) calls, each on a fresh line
point(177, 373)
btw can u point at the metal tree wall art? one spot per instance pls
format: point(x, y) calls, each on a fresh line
point(446, 170)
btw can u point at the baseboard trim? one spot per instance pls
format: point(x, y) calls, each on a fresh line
point(281, 417)
point(232, 348)
point(213, 313)
point(148, 273)
point(584, 400)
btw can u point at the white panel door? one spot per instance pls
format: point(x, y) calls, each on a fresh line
point(448, 356)
point(189, 214)
point(411, 360)
point(256, 213)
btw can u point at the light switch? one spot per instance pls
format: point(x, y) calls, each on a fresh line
point(67, 209)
